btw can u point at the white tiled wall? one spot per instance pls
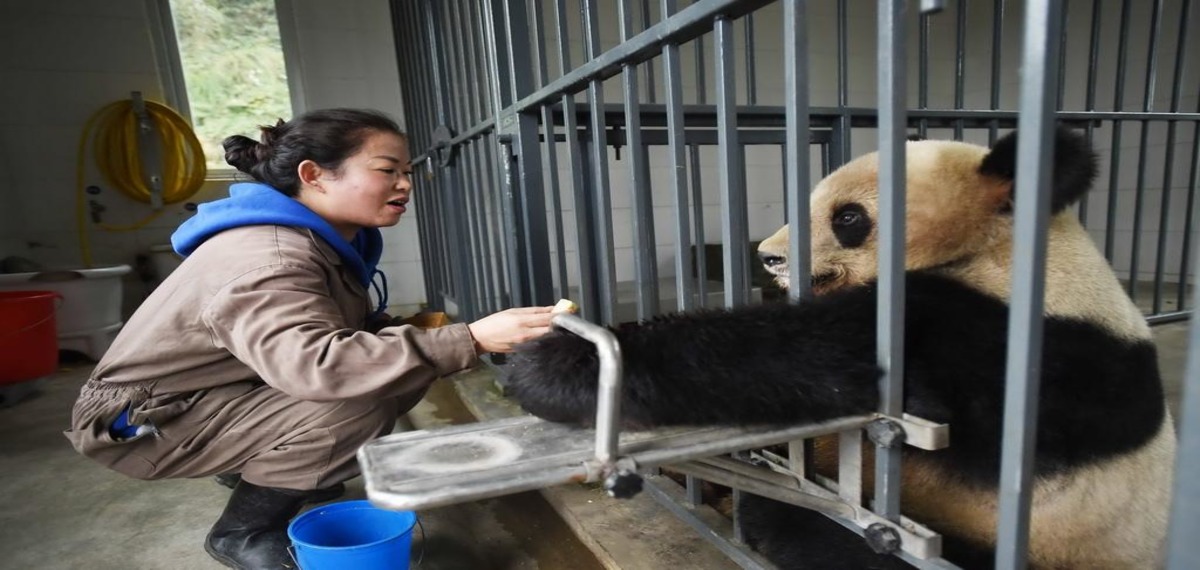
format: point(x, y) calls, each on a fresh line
point(61, 61)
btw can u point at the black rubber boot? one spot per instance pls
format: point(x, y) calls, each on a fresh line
point(231, 480)
point(228, 479)
point(252, 532)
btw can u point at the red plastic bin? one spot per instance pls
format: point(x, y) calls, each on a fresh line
point(28, 335)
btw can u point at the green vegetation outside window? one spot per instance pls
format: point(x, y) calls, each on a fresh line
point(233, 67)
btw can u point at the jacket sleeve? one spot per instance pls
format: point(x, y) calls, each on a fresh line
point(282, 322)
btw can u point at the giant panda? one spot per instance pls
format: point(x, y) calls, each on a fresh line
point(1105, 442)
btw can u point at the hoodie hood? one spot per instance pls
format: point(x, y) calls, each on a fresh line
point(255, 204)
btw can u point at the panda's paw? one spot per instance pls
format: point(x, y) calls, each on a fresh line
point(555, 378)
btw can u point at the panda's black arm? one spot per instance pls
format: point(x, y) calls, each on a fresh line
point(774, 363)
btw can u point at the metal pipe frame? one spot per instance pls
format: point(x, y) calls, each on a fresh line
point(608, 399)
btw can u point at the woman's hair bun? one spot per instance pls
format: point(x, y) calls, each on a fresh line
point(271, 133)
point(243, 153)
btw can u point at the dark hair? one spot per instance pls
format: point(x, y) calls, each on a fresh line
point(326, 137)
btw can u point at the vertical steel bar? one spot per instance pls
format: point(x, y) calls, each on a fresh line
point(436, 61)
point(923, 71)
point(599, 162)
point(1182, 551)
point(479, 220)
point(850, 464)
point(890, 308)
point(698, 221)
point(1115, 158)
point(1062, 54)
point(420, 128)
point(586, 248)
point(1035, 150)
point(734, 222)
point(1164, 208)
point(997, 47)
point(960, 54)
point(796, 150)
point(676, 144)
point(500, 91)
point(1193, 181)
point(701, 72)
point(550, 156)
point(476, 84)
point(645, 258)
point(1139, 197)
point(1089, 103)
point(534, 260)
point(843, 39)
point(457, 240)
point(495, 201)
point(462, 116)
point(482, 95)
point(403, 39)
point(651, 84)
point(751, 79)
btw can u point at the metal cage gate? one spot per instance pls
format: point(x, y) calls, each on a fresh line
point(519, 151)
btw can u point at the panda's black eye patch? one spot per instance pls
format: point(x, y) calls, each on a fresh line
point(851, 225)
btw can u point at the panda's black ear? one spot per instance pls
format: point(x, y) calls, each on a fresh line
point(1074, 165)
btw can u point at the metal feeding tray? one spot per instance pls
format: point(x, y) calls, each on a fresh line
point(431, 468)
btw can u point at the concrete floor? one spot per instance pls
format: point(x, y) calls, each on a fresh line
point(61, 510)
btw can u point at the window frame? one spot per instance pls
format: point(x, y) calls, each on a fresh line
point(170, 65)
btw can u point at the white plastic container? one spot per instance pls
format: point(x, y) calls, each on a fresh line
point(90, 314)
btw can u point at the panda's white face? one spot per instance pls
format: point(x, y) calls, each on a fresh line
point(952, 213)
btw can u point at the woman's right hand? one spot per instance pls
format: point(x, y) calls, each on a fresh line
point(500, 332)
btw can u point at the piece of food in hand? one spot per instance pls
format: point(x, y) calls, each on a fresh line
point(565, 306)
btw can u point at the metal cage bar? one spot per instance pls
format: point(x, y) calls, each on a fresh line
point(1035, 149)
point(890, 308)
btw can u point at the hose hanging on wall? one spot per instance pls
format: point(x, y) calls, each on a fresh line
point(125, 137)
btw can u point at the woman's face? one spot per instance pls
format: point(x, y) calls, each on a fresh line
point(370, 190)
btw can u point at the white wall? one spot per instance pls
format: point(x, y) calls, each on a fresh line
point(61, 61)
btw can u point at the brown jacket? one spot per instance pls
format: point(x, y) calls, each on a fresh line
point(267, 303)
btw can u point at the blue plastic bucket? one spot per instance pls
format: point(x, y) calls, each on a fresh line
point(352, 535)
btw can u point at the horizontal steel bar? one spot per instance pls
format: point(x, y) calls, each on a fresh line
point(760, 116)
point(764, 115)
point(1173, 317)
point(683, 26)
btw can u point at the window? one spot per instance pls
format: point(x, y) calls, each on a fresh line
point(223, 68)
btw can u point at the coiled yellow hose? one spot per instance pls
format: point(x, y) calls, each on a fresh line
point(113, 134)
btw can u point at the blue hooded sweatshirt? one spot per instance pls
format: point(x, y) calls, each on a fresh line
point(254, 204)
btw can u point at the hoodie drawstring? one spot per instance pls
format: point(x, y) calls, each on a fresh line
point(381, 292)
